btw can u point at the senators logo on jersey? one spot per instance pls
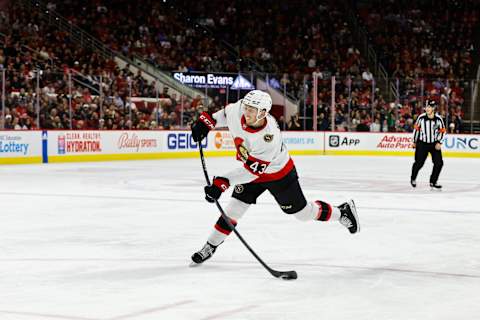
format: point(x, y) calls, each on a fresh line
point(268, 137)
point(239, 188)
point(242, 152)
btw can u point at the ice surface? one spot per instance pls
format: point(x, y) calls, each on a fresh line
point(98, 241)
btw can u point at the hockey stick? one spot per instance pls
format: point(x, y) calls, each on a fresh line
point(286, 275)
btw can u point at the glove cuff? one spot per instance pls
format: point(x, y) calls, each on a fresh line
point(207, 120)
point(221, 183)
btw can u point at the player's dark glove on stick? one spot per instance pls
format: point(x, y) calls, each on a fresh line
point(202, 126)
point(215, 190)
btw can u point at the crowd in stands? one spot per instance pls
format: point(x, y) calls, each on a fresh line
point(31, 49)
point(188, 36)
point(429, 45)
point(191, 36)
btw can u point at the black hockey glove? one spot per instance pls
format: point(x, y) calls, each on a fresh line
point(215, 190)
point(202, 126)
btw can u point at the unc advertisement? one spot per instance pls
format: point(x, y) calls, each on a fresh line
point(461, 143)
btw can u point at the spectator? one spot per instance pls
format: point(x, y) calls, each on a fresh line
point(323, 123)
point(367, 76)
point(294, 123)
point(375, 126)
point(454, 125)
point(165, 122)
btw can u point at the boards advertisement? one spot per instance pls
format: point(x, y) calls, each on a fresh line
point(20, 147)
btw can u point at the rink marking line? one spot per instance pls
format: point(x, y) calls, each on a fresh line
point(421, 210)
point(45, 315)
point(125, 316)
point(152, 310)
point(221, 315)
point(434, 273)
point(425, 272)
point(189, 200)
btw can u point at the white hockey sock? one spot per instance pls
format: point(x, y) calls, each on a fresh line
point(234, 210)
point(313, 211)
point(336, 213)
point(216, 237)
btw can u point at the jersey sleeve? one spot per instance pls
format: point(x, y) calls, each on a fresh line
point(220, 118)
point(222, 115)
point(416, 129)
point(440, 131)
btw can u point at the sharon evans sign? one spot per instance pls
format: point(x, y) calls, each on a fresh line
point(214, 80)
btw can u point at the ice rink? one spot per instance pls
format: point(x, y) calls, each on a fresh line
point(112, 241)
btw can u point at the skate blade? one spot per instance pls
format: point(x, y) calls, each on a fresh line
point(351, 203)
point(194, 264)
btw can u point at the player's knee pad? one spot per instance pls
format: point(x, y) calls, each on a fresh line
point(236, 209)
point(291, 200)
point(292, 208)
point(293, 204)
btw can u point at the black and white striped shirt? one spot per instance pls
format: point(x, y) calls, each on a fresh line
point(429, 130)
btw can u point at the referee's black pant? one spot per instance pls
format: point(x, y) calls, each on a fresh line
point(421, 153)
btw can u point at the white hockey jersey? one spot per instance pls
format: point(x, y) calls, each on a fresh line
point(261, 150)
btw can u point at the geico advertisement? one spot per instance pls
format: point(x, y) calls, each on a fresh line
point(303, 140)
point(102, 142)
point(20, 144)
point(182, 141)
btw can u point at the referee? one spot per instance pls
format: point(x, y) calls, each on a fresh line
point(428, 133)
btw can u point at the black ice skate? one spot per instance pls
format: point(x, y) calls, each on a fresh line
point(204, 254)
point(413, 183)
point(349, 216)
point(435, 186)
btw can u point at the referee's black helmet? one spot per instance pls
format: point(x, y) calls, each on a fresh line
point(431, 103)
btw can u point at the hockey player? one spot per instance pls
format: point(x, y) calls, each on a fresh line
point(265, 165)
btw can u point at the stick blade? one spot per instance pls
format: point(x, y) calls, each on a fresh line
point(285, 275)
